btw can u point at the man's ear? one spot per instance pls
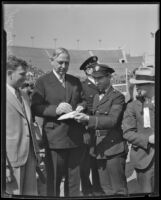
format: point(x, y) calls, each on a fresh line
point(9, 72)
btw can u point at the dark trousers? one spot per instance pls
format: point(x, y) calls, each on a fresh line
point(112, 175)
point(63, 163)
point(89, 163)
point(145, 179)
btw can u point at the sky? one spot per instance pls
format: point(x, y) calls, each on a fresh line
point(83, 26)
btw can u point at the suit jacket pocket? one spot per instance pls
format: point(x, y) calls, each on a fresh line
point(11, 146)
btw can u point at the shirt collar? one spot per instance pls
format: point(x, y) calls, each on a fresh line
point(91, 79)
point(57, 75)
point(11, 89)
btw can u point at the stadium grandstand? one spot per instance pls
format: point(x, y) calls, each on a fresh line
point(39, 60)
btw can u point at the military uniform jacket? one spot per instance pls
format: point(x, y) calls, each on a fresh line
point(107, 122)
point(48, 94)
point(142, 152)
point(90, 90)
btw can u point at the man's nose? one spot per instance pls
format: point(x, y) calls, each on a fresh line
point(64, 64)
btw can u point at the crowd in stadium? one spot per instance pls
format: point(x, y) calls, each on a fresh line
point(79, 137)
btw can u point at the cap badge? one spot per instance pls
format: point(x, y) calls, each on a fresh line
point(97, 68)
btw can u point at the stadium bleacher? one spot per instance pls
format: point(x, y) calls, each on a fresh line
point(39, 58)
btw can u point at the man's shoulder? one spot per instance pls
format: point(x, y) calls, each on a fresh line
point(45, 77)
point(134, 104)
point(117, 94)
point(72, 78)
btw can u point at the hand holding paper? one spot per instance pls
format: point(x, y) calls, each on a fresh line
point(81, 117)
point(79, 108)
point(63, 108)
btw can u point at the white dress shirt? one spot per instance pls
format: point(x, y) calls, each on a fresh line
point(62, 80)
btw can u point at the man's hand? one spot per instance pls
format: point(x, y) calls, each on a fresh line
point(152, 139)
point(81, 117)
point(79, 108)
point(63, 108)
point(8, 175)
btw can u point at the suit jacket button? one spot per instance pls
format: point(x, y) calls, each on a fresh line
point(112, 141)
point(106, 113)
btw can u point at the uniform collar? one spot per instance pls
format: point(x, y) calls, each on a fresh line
point(91, 79)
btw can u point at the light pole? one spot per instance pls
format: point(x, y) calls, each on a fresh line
point(14, 36)
point(55, 40)
point(32, 40)
point(78, 44)
point(99, 43)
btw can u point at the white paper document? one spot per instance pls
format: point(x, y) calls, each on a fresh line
point(69, 115)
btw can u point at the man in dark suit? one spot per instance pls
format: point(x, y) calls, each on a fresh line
point(88, 161)
point(110, 147)
point(138, 129)
point(56, 93)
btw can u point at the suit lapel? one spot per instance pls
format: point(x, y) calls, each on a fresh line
point(27, 108)
point(15, 102)
point(96, 102)
point(68, 88)
point(106, 96)
point(90, 84)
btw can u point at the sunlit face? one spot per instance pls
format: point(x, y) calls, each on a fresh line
point(145, 89)
point(61, 63)
point(89, 71)
point(103, 83)
point(17, 77)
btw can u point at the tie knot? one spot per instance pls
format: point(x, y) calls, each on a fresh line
point(102, 92)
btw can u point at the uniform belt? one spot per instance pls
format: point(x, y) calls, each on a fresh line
point(101, 132)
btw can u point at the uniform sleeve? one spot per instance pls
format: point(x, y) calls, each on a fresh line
point(129, 126)
point(40, 107)
point(112, 119)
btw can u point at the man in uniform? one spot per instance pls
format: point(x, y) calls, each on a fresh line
point(138, 128)
point(88, 162)
point(110, 147)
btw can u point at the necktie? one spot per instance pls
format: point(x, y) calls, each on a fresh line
point(18, 95)
point(62, 81)
point(101, 95)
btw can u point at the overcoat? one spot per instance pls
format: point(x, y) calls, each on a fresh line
point(19, 130)
point(142, 152)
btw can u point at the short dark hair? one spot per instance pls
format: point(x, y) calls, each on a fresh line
point(13, 63)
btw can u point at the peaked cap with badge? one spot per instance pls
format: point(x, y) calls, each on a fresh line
point(89, 62)
point(101, 70)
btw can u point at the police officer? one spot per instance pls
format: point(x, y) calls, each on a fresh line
point(88, 161)
point(110, 147)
